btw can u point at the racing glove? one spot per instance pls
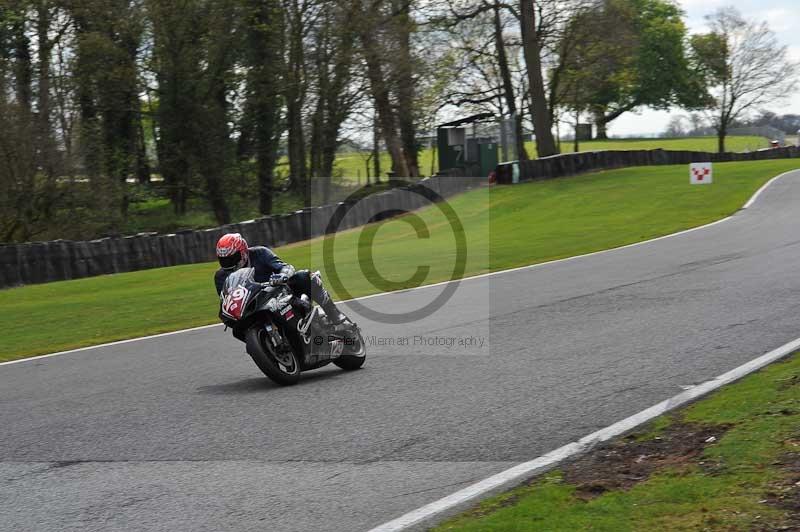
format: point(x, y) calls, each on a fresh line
point(278, 278)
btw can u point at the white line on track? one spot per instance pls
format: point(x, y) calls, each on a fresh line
point(118, 342)
point(491, 274)
point(519, 473)
point(762, 189)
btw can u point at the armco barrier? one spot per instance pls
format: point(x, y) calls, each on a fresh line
point(40, 262)
point(582, 162)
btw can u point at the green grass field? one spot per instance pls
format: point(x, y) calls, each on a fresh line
point(503, 227)
point(735, 144)
point(745, 479)
point(351, 166)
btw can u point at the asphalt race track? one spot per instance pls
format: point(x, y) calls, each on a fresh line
point(183, 433)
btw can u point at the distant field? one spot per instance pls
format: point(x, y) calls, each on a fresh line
point(504, 227)
point(748, 143)
point(351, 166)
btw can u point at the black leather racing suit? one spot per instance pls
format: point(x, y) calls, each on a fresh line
point(266, 263)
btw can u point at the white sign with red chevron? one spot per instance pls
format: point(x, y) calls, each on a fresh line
point(700, 173)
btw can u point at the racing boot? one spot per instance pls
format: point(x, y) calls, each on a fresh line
point(337, 318)
point(321, 296)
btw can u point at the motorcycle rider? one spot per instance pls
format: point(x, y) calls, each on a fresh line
point(234, 253)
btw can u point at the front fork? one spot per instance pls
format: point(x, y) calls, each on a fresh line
point(274, 336)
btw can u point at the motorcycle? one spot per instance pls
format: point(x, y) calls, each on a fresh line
point(285, 334)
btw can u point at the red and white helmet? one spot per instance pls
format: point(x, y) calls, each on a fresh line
point(232, 251)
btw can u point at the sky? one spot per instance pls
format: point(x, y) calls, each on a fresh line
point(782, 16)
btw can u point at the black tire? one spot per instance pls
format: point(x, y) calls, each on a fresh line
point(353, 356)
point(266, 360)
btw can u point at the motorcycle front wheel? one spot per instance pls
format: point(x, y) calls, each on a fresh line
point(283, 368)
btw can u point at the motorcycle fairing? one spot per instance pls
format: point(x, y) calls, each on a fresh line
point(237, 292)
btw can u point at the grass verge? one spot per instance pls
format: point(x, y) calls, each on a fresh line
point(728, 462)
point(503, 227)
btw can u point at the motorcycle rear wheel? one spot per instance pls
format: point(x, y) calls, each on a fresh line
point(354, 356)
point(259, 348)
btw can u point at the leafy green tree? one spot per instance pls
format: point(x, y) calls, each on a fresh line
point(641, 62)
point(296, 86)
point(177, 28)
point(108, 35)
point(194, 57)
point(262, 123)
point(18, 177)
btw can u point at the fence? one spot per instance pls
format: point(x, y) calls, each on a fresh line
point(582, 162)
point(40, 262)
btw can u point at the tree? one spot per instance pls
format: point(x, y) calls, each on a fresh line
point(214, 147)
point(745, 66)
point(376, 51)
point(787, 123)
point(337, 92)
point(677, 127)
point(108, 42)
point(264, 48)
point(176, 62)
point(570, 78)
point(506, 77)
point(542, 35)
point(403, 27)
point(32, 141)
point(193, 62)
point(296, 92)
point(17, 19)
point(642, 62)
point(22, 190)
point(484, 60)
point(532, 51)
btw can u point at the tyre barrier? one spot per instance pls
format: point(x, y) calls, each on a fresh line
point(57, 260)
point(582, 162)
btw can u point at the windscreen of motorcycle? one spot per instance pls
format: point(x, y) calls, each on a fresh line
point(239, 287)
